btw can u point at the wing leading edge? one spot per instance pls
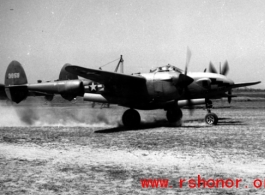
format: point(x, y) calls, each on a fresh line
point(104, 77)
point(116, 84)
point(244, 84)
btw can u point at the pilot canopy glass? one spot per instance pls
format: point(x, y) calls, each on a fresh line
point(167, 68)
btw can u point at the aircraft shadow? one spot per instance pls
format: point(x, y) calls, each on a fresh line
point(143, 126)
point(164, 123)
point(152, 125)
point(229, 121)
point(220, 119)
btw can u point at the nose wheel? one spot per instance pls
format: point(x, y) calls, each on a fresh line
point(131, 118)
point(210, 118)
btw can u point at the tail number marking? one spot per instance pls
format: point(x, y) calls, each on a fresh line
point(13, 75)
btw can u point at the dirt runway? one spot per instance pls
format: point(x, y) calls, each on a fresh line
point(81, 150)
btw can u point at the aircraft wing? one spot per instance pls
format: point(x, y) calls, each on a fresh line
point(104, 77)
point(244, 84)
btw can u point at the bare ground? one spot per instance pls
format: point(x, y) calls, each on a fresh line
point(87, 151)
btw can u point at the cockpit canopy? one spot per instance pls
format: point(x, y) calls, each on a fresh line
point(167, 68)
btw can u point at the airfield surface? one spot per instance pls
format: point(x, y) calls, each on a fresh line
point(76, 149)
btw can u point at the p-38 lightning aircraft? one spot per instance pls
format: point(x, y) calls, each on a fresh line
point(166, 87)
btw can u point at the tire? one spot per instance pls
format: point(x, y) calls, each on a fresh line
point(211, 119)
point(174, 115)
point(131, 118)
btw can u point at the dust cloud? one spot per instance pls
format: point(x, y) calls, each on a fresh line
point(34, 112)
point(8, 115)
point(38, 114)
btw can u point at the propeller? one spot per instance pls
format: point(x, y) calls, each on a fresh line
point(223, 70)
point(186, 89)
point(212, 68)
point(182, 81)
point(188, 57)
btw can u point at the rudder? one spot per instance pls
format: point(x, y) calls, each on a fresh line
point(64, 75)
point(16, 82)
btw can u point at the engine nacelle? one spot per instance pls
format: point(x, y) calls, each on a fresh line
point(70, 87)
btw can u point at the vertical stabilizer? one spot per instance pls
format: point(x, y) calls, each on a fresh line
point(64, 75)
point(16, 82)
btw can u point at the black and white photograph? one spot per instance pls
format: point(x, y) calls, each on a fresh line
point(132, 97)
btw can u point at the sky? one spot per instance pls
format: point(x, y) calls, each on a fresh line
point(44, 35)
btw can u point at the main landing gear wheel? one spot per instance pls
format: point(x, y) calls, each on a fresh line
point(211, 119)
point(174, 115)
point(131, 118)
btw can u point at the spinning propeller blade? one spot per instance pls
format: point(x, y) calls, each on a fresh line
point(212, 68)
point(186, 89)
point(183, 80)
point(188, 57)
point(225, 68)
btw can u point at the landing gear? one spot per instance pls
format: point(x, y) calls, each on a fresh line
point(174, 115)
point(210, 118)
point(131, 118)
